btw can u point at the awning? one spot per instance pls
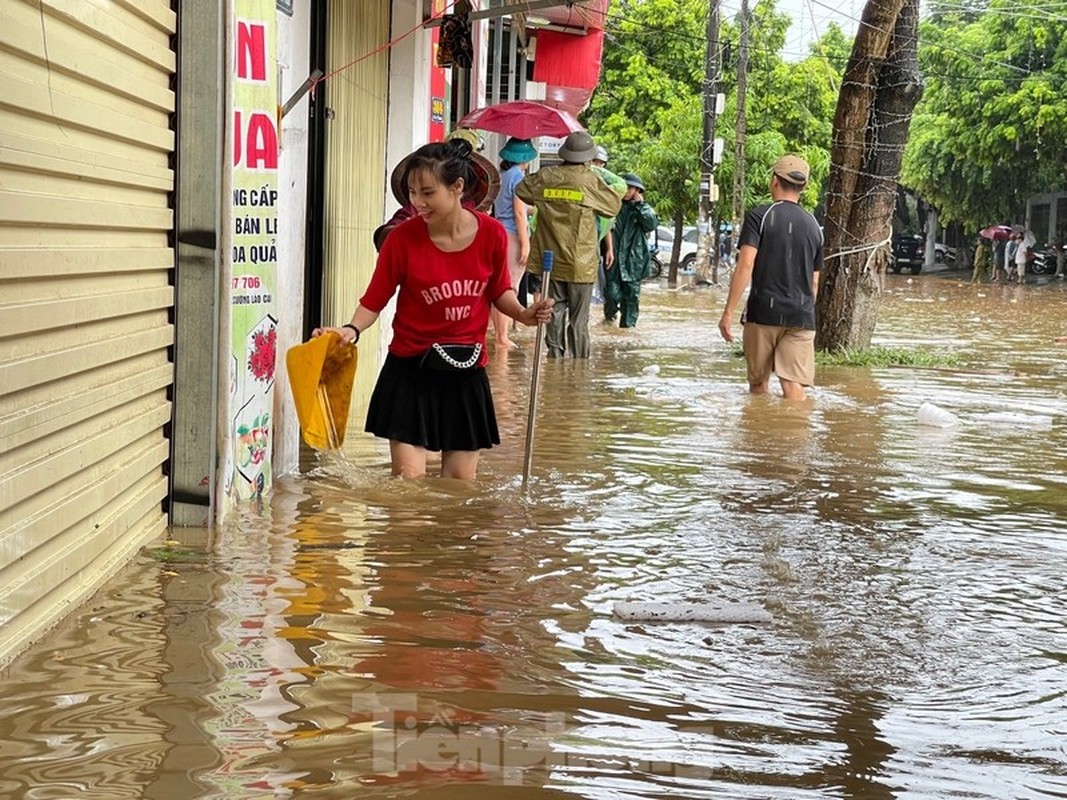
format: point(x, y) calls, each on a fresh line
point(569, 66)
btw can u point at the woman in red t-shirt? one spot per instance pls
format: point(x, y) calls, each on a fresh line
point(450, 265)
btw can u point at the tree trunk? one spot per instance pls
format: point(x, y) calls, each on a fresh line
point(878, 94)
point(676, 249)
point(932, 226)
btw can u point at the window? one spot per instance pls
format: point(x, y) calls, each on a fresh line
point(1039, 218)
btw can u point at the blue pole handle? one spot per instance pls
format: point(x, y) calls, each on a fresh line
point(547, 257)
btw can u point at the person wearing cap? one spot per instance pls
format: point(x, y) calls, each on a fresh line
point(516, 155)
point(633, 261)
point(604, 227)
point(568, 198)
point(780, 255)
point(478, 196)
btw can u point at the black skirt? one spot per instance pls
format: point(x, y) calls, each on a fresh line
point(436, 409)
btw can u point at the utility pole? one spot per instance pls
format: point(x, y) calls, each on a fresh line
point(709, 192)
point(738, 207)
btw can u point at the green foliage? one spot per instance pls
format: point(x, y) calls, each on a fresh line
point(991, 129)
point(648, 109)
point(880, 356)
point(175, 554)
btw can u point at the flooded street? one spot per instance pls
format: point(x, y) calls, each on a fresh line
point(372, 638)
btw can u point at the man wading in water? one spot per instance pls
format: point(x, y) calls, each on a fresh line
point(780, 255)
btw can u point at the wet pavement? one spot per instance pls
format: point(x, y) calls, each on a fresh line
point(366, 637)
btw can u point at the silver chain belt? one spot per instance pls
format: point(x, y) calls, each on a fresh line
point(470, 362)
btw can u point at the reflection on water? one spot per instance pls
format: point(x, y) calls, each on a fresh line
point(368, 637)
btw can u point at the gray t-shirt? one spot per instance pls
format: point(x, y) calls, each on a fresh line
point(788, 242)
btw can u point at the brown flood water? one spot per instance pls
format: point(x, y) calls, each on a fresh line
point(365, 637)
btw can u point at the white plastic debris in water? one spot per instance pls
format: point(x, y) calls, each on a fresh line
point(936, 417)
point(1019, 420)
point(692, 612)
point(651, 369)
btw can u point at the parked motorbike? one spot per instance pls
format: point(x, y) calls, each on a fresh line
point(656, 267)
point(1044, 261)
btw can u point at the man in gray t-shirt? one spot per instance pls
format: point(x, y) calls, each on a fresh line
point(780, 254)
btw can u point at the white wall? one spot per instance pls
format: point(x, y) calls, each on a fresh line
point(409, 90)
point(294, 54)
point(409, 107)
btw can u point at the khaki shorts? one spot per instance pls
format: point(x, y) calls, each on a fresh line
point(787, 352)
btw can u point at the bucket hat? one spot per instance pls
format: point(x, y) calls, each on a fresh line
point(482, 191)
point(518, 151)
point(578, 148)
point(633, 180)
point(470, 137)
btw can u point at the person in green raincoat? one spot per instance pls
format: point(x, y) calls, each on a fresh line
point(633, 262)
point(603, 230)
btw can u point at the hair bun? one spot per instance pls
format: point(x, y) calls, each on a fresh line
point(460, 148)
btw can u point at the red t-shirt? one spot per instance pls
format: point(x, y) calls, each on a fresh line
point(444, 297)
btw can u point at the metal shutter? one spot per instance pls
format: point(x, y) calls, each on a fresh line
point(355, 170)
point(85, 297)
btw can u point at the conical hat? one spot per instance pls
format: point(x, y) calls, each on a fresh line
point(321, 374)
point(482, 193)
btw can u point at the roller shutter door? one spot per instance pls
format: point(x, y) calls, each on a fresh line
point(355, 169)
point(85, 296)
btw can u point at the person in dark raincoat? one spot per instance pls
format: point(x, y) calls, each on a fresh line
point(633, 261)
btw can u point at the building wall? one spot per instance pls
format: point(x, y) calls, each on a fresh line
point(293, 66)
point(86, 179)
point(357, 95)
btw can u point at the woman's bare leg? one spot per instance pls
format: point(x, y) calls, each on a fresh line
point(461, 464)
point(501, 329)
point(409, 461)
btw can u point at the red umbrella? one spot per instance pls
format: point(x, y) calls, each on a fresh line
point(996, 232)
point(523, 119)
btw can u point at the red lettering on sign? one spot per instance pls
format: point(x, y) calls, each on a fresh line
point(259, 140)
point(251, 52)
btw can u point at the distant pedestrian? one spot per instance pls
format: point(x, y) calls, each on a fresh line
point(998, 257)
point(780, 255)
point(633, 260)
point(1010, 270)
point(568, 197)
point(604, 226)
point(983, 260)
point(1024, 253)
point(516, 156)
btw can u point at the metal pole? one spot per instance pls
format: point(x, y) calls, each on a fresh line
point(738, 207)
point(707, 154)
point(547, 259)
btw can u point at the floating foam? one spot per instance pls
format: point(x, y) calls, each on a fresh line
point(1019, 420)
point(692, 612)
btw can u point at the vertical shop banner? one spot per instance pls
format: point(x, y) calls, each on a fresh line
point(253, 213)
point(438, 82)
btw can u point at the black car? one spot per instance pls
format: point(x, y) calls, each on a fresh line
point(909, 252)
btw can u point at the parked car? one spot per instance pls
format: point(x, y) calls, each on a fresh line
point(909, 251)
point(661, 243)
point(944, 254)
point(661, 240)
point(688, 255)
